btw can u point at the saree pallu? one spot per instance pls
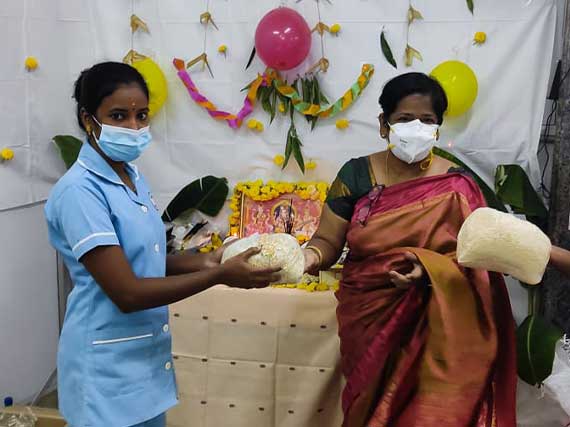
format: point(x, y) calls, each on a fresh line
point(434, 355)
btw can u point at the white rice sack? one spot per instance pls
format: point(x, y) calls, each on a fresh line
point(496, 241)
point(277, 251)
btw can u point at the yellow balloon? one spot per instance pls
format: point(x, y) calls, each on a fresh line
point(156, 82)
point(460, 85)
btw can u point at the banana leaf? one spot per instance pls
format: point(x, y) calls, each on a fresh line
point(206, 195)
point(513, 188)
point(492, 200)
point(69, 148)
point(536, 343)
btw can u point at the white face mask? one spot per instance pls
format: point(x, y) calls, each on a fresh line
point(412, 142)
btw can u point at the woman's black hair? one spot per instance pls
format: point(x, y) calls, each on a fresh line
point(101, 80)
point(413, 84)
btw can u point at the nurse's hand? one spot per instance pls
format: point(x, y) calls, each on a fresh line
point(415, 277)
point(237, 272)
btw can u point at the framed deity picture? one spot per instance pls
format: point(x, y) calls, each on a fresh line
point(277, 207)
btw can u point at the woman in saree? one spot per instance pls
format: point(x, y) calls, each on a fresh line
point(424, 342)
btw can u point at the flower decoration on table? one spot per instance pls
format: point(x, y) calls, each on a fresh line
point(31, 63)
point(310, 283)
point(479, 38)
point(6, 154)
point(274, 207)
point(215, 243)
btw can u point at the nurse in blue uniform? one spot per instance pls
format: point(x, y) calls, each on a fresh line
point(114, 360)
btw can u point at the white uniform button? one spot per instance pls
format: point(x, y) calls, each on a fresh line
point(165, 328)
point(168, 366)
point(156, 247)
point(144, 209)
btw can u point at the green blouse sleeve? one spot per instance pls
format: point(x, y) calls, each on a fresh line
point(354, 180)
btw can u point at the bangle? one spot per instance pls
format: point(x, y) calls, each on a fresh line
point(318, 252)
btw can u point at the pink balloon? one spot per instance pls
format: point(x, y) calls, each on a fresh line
point(282, 39)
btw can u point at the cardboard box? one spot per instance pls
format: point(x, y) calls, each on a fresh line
point(46, 417)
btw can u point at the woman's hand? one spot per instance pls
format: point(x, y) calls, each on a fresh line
point(237, 272)
point(312, 261)
point(415, 277)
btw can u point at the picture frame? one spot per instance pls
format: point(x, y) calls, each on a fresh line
point(277, 207)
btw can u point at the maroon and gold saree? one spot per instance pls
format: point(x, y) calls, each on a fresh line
point(437, 355)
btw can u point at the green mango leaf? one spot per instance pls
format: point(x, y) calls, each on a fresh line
point(536, 344)
point(206, 195)
point(69, 148)
point(490, 196)
point(298, 154)
point(291, 135)
point(470, 5)
point(515, 189)
point(251, 56)
point(387, 50)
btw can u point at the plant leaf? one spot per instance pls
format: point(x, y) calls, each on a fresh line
point(413, 14)
point(298, 154)
point(490, 196)
point(536, 343)
point(513, 187)
point(273, 103)
point(289, 146)
point(387, 51)
point(69, 148)
point(251, 56)
point(207, 195)
point(470, 5)
point(412, 53)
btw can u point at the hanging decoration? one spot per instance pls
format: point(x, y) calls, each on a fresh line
point(206, 19)
point(282, 39)
point(479, 38)
point(460, 85)
point(150, 70)
point(387, 50)
point(6, 154)
point(328, 110)
point(31, 63)
point(274, 94)
point(411, 53)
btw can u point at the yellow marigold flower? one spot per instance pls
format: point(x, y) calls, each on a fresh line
point(480, 37)
point(222, 48)
point(322, 187)
point(265, 189)
point(279, 159)
point(322, 287)
point(31, 63)
point(7, 154)
point(252, 124)
point(281, 107)
point(342, 123)
point(257, 183)
point(259, 127)
point(311, 287)
point(334, 29)
point(310, 165)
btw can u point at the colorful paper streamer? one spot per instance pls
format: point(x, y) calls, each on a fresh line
point(330, 110)
point(235, 120)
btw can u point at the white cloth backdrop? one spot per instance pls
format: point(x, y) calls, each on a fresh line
point(68, 35)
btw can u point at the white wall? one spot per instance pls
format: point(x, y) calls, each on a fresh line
point(29, 324)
